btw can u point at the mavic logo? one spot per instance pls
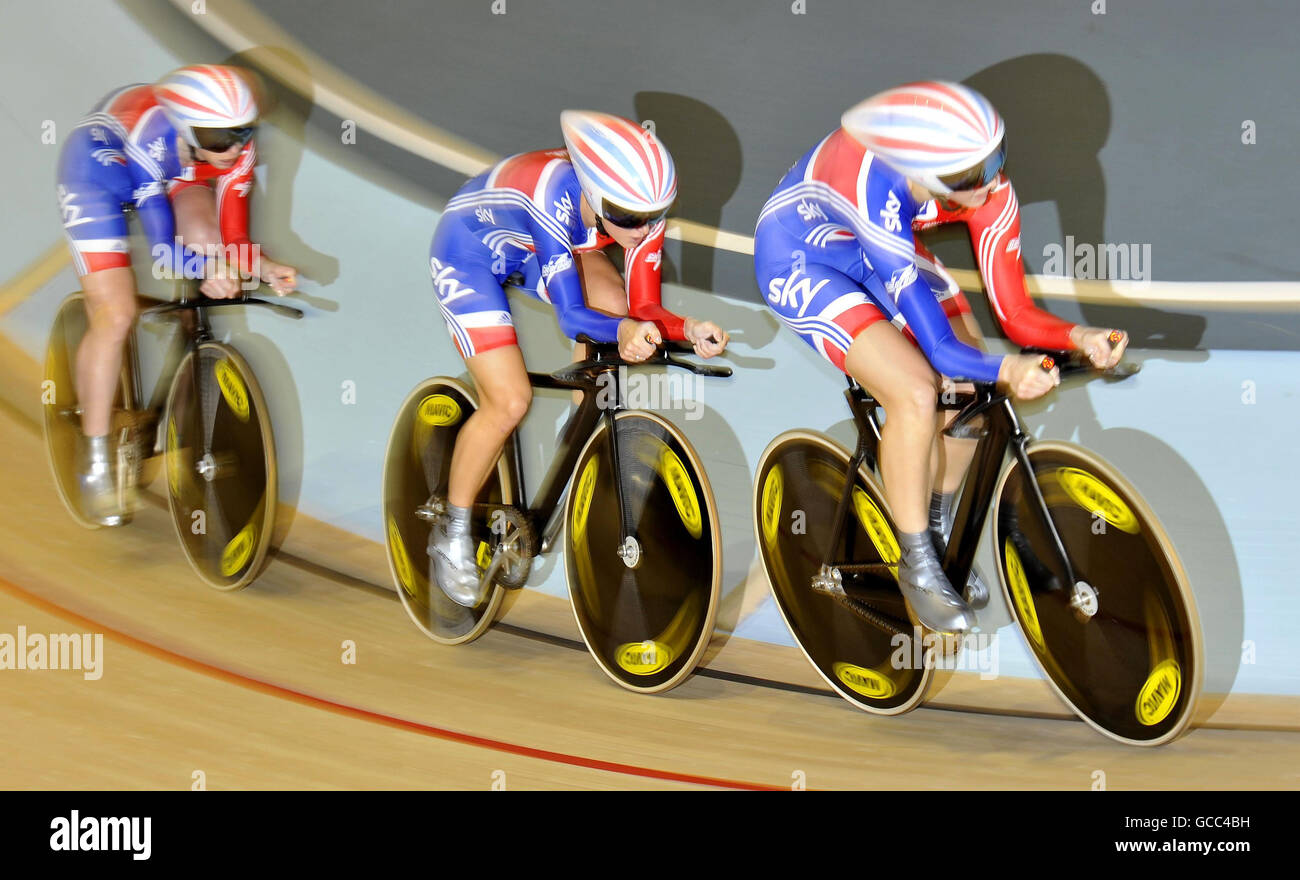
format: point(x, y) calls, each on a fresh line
point(554, 266)
point(484, 215)
point(654, 258)
point(900, 280)
point(889, 213)
point(809, 212)
point(787, 294)
point(157, 149)
point(448, 288)
point(564, 209)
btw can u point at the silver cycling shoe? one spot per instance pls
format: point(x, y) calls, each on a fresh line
point(941, 518)
point(98, 483)
point(454, 567)
point(928, 593)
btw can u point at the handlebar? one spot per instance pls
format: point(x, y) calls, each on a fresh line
point(205, 302)
point(607, 353)
point(1073, 363)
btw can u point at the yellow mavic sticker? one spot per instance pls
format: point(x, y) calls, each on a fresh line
point(484, 555)
point(232, 388)
point(438, 410)
point(401, 562)
point(582, 500)
point(773, 490)
point(867, 682)
point(1159, 693)
point(682, 492)
point(238, 551)
point(1020, 594)
point(877, 528)
point(1096, 497)
point(643, 658)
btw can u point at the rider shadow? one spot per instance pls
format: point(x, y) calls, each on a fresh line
point(707, 153)
point(1058, 117)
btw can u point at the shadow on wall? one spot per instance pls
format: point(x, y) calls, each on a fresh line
point(707, 153)
point(1058, 118)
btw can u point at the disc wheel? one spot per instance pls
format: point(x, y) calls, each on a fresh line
point(1123, 646)
point(861, 642)
point(417, 468)
point(645, 606)
point(62, 409)
point(219, 456)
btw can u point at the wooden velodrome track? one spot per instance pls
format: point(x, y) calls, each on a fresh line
point(250, 689)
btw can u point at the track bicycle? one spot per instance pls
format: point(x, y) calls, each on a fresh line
point(642, 548)
point(206, 417)
point(1091, 578)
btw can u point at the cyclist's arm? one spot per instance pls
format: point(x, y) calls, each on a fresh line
point(933, 332)
point(151, 160)
point(234, 188)
point(643, 272)
point(564, 287)
point(995, 236)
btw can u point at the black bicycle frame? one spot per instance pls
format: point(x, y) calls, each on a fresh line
point(585, 376)
point(1001, 433)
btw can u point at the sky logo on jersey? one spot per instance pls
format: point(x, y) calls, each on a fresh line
point(889, 213)
point(485, 215)
point(786, 294)
point(564, 209)
point(808, 211)
point(157, 149)
point(448, 288)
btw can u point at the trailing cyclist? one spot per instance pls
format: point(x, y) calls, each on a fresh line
point(181, 153)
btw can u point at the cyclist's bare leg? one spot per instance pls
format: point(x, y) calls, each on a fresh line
point(504, 397)
point(110, 309)
point(952, 457)
point(195, 208)
point(896, 374)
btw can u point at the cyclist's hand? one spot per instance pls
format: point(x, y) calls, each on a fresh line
point(1024, 375)
point(1104, 347)
point(708, 338)
point(221, 288)
point(637, 340)
point(282, 279)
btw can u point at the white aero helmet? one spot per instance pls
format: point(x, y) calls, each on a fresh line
point(943, 135)
point(624, 170)
point(209, 105)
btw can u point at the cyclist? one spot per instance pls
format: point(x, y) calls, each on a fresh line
point(160, 149)
point(545, 217)
point(836, 257)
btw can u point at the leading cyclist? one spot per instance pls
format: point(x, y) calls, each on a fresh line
point(545, 218)
point(161, 149)
point(836, 257)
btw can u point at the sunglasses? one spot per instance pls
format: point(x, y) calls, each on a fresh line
point(218, 140)
point(979, 175)
point(625, 219)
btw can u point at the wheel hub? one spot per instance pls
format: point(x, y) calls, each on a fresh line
point(1083, 600)
point(630, 552)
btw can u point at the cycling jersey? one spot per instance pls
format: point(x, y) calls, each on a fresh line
point(835, 249)
point(125, 152)
point(522, 218)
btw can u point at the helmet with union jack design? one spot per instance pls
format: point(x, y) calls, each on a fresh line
point(624, 170)
point(210, 106)
point(943, 135)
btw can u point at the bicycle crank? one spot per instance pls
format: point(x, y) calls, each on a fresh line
point(828, 580)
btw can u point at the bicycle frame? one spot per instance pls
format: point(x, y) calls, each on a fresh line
point(1001, 433)
point(584, 376)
